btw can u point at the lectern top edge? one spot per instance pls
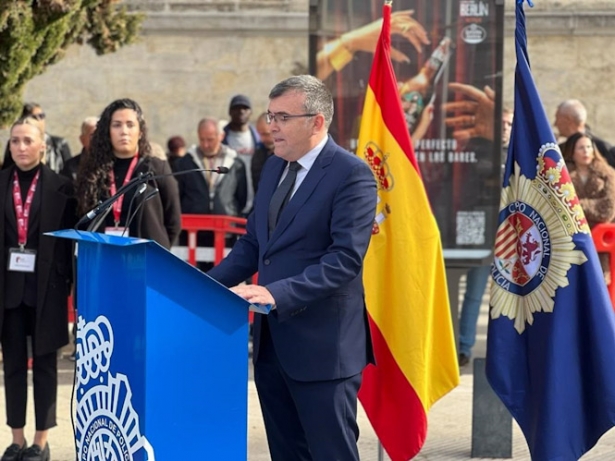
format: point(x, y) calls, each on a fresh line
point(96, 237)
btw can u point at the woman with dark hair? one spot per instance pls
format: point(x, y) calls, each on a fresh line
point(34, 284)
point(594, 181)
point(120, 151)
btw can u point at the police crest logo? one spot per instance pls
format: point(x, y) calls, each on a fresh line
point(107, 425)
point(533, 246)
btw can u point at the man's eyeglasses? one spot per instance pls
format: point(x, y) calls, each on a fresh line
point(40, 116)
point(281, 117)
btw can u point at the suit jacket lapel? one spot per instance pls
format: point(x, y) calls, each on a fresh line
point(313, 178)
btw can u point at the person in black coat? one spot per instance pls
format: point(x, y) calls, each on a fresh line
point(34, 284)
point(119, 151)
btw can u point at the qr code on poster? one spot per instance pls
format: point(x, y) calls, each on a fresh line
point(471, 227)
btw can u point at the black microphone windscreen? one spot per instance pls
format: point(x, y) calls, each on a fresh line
point(222, 170)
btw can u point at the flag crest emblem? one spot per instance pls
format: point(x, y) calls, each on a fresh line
point(533, 246)
point(377, 161)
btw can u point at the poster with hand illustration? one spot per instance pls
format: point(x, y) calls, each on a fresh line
point(447, 56)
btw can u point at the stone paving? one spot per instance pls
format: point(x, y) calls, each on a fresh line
point(449, 436)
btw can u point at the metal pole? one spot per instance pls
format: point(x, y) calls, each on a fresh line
point(380, 452)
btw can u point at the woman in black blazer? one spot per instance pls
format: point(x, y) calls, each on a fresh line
point(34, 284)
point(120, 151)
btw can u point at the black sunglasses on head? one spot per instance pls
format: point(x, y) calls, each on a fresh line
point(40, 116)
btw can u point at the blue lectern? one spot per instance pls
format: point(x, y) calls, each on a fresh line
point(162, 357)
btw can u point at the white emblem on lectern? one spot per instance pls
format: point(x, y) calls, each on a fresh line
point(107, 426)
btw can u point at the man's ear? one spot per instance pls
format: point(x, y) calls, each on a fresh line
point(319, 123)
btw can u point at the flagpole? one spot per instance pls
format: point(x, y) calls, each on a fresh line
point(380, 448)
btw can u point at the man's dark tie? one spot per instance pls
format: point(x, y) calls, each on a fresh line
point(282, 194)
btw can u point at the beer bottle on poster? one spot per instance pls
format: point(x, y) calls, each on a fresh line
point(417, 92)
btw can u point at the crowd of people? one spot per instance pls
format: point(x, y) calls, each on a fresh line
point(47, 189)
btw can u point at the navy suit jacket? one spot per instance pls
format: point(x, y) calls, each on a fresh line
point(312, 265)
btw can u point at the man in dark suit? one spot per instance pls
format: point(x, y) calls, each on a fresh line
point(309, 352)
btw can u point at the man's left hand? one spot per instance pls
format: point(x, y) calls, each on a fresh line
point(254, 294)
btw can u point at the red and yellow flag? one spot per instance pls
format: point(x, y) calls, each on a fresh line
point(404, 276)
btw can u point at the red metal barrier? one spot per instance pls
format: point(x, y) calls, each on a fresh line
point(604, 239)
point(220, 225)
point(71, 310)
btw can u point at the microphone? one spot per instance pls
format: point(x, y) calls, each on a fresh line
point(150, 195)
point(219, 170)
point(143, 177)
point(140, 179)
point(138, 192)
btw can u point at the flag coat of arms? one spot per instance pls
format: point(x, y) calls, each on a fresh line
point(404, 276)
point(551, 336)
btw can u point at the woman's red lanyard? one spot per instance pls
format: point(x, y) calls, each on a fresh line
point(22, 211)
point(117, 206)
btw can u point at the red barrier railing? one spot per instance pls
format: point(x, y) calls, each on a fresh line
point(604, 239)
point(220, 225)
point(71, 310)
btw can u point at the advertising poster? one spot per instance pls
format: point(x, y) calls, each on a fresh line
point(448, 61)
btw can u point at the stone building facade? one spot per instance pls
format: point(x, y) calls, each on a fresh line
point(194, 55)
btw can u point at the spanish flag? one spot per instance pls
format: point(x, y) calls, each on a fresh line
point(404, 276)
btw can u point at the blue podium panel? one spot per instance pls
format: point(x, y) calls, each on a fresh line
point(161, 356)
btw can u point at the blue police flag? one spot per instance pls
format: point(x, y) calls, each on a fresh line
point(551, 337)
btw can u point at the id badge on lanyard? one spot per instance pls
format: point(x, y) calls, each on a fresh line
point(22, 259)
point(116, 229)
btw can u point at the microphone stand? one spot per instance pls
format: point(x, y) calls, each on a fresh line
point(102, 209)
point(132, 216)
point(105, 206)
point(94, 223)
point(137, 193)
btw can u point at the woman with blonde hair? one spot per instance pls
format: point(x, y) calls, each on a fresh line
point(34, 284)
